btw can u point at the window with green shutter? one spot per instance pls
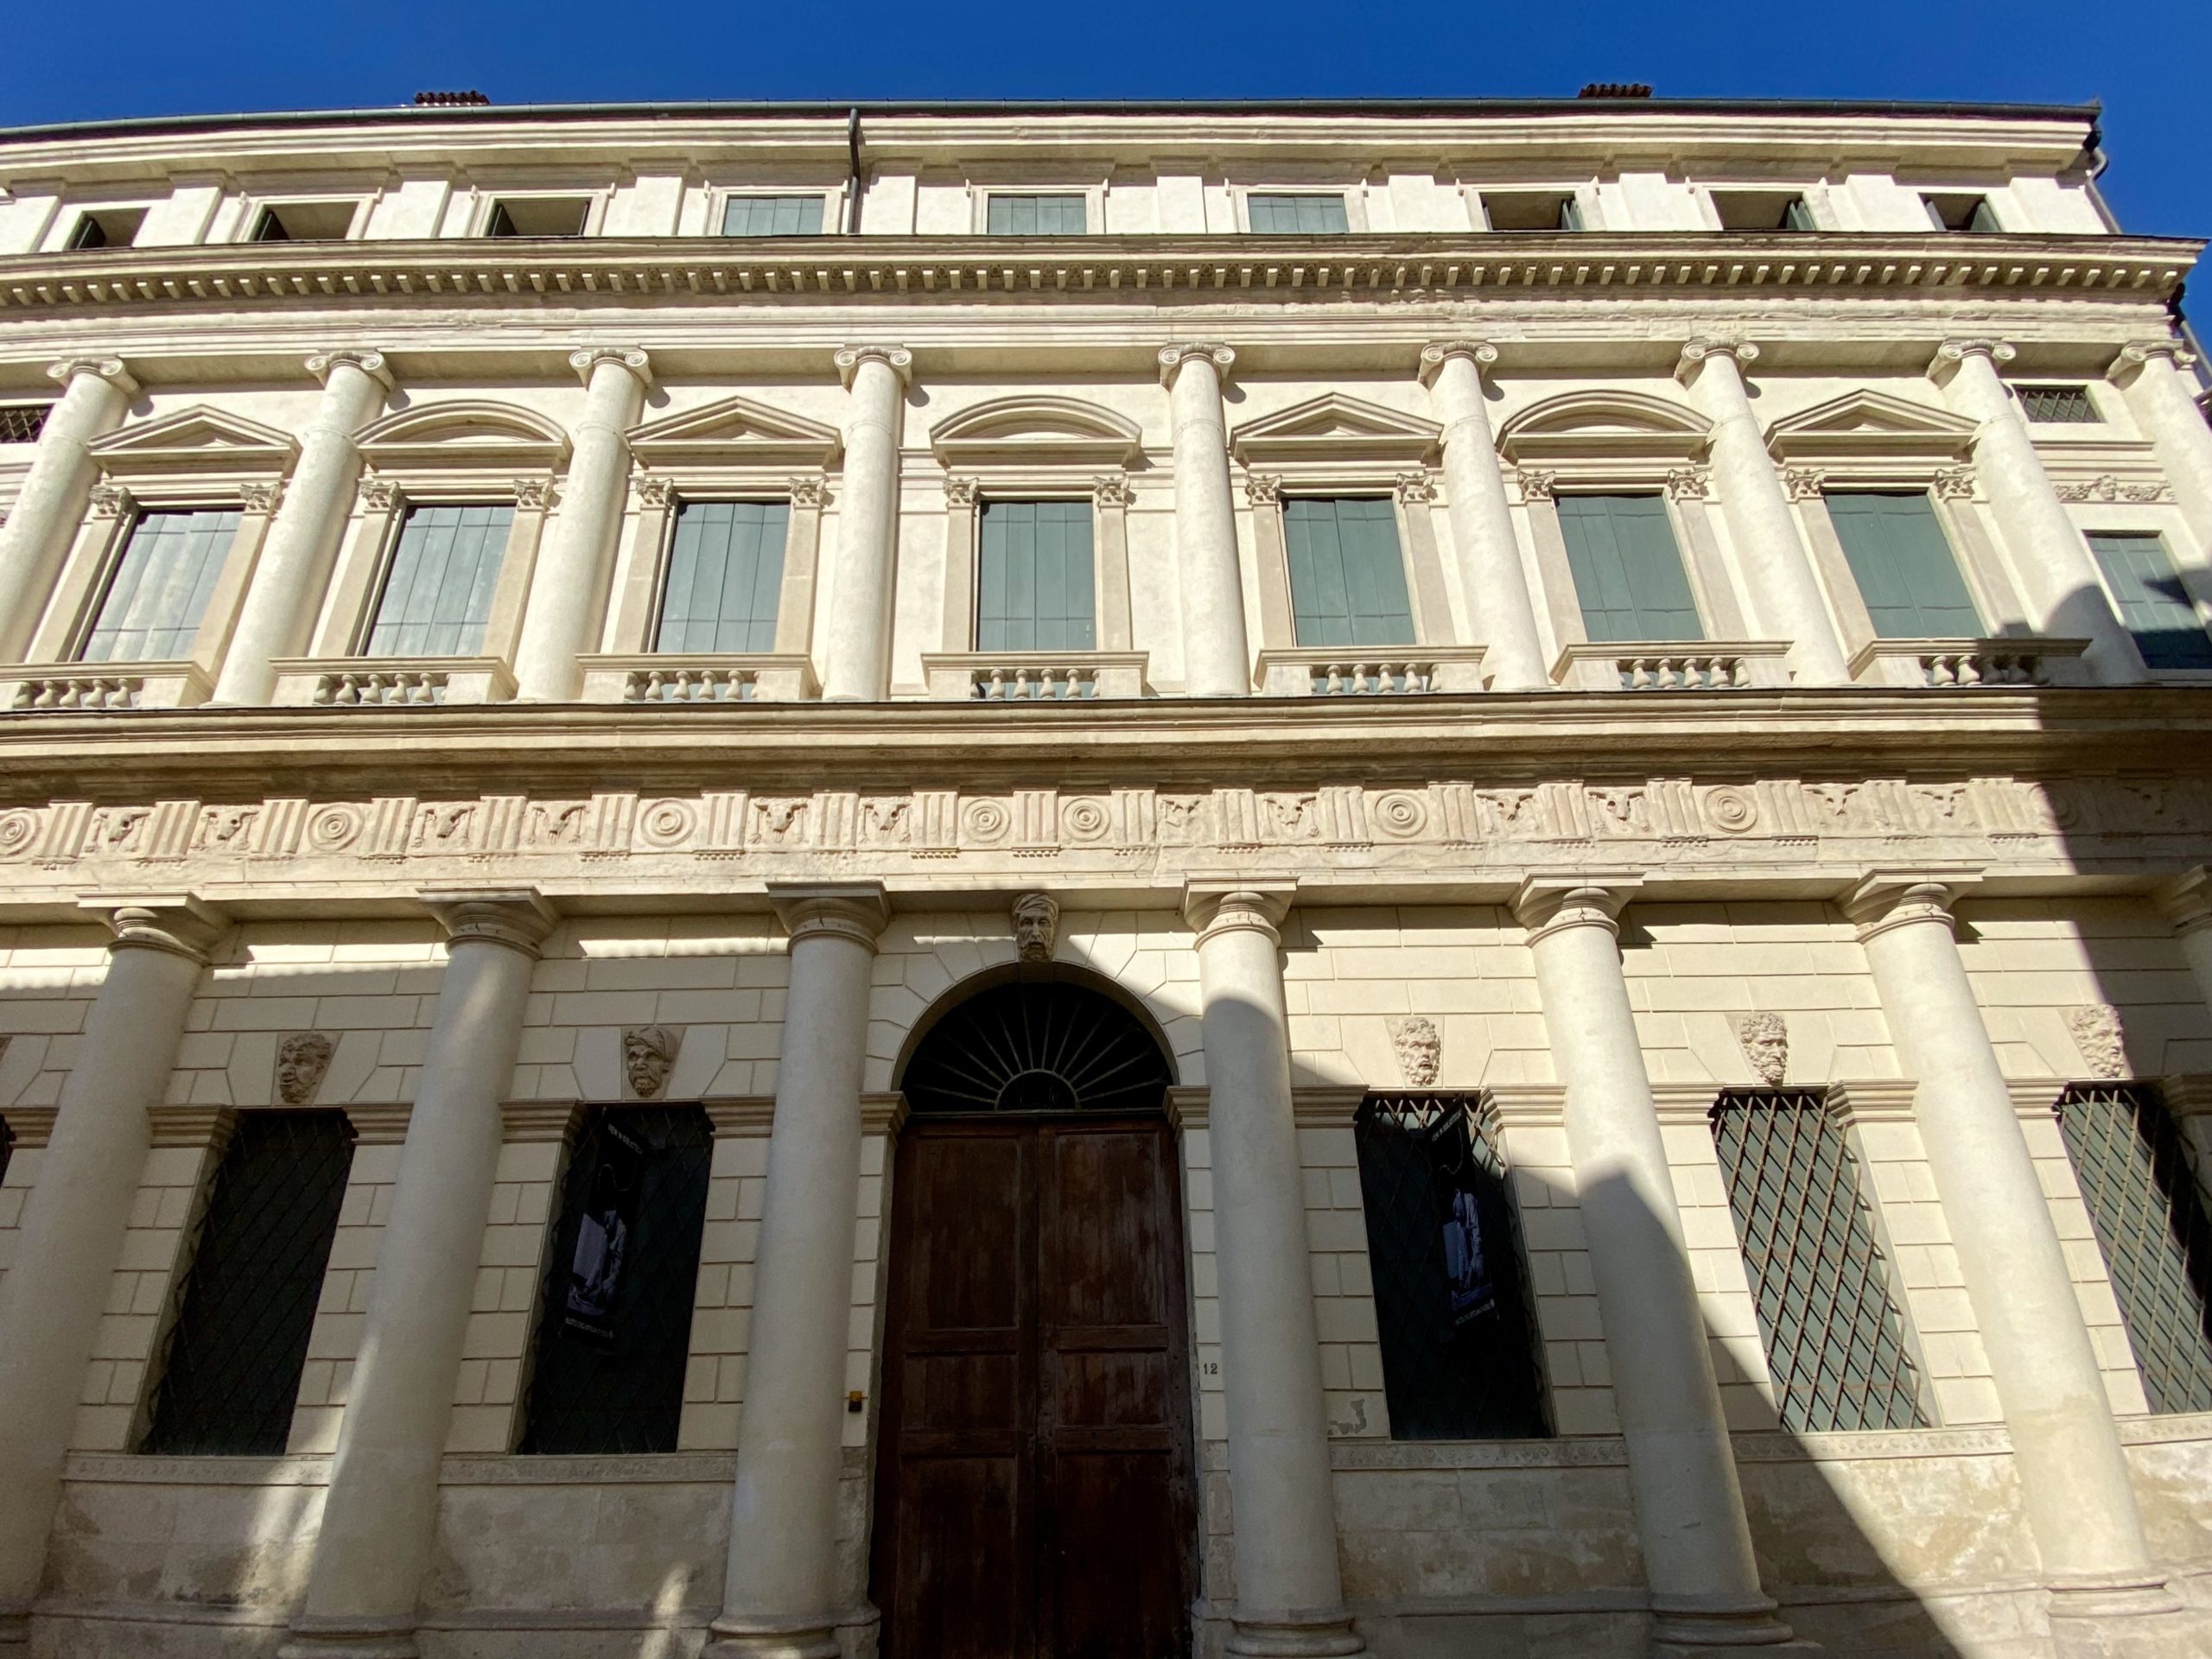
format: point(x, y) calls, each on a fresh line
point(1347, 575)
point(725, 576)
point(1300, 215)
point(1628, 572)
point(161, 586)
point(1034, 586)
point(2152, 602)
point(1035, 216)
point(437, 594)
point(1903, 566)
point(772, 216)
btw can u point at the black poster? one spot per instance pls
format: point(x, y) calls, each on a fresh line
point(603, 1232)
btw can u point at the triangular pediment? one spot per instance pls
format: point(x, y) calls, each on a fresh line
point(465, 432)
point(197, 440)
point(734, 431)
point(1870, 423)
point(1603, 424)
point(1335, 426)
point(1037, 430)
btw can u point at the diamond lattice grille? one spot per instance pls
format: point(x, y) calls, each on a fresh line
point(1835, 1343)
point(2151, 1224)
point(240, 1339)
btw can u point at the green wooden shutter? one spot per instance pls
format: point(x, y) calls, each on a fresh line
point(2156, 607)
point(1347, 576)
point(772, 216)
point(1297, 215)
point(1903, 566)
point(1628, 572)
point(1035, 216)
point(1034, 587)
point(725, 576)
point(437, 596)
point(161, 586)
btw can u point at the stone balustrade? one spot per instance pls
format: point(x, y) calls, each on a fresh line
point(1033, 677)
point(756, 676)
point(34, 687)
point(1334, 673)
point(391, 681)
point(1949, 663)
point(1723, 665)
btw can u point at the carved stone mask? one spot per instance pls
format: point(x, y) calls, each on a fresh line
point(648, 1053)
point(1036, 919)
point(1421, 1049)
point(1765, 1039)
point(2097, 1033)
point(302, 1058)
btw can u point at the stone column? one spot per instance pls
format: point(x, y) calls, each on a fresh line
point(282, 597)
point(2186, 902)
point(2154, 375)
point(96, 395)
point(1689, 1512)
point(779, 1600)
point(568, 595)
point(1784, 592)
point(2073, 1476)
point(856, 655)
point(380, 1520)
point(70, 1239)
point(1488, 554)
point(1289, 1598)
point(1217, 662)
point(2060, 579)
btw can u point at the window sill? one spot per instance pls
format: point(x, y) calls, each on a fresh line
point(390, 681)
point(1950, 665)
point(715, 676)
point(1705, 665)
point(76, 688)
point(1033, 676)
point(1338, 671)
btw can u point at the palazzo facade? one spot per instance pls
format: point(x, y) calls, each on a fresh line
point(1129, 881)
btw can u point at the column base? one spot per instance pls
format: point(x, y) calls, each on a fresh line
point(340, 1638)
point(1687, 1629)
point(2122, 1616)
point(1327, 1637)
point(751, 1636)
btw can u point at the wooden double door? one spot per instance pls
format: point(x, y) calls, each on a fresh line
point(1034, 1494)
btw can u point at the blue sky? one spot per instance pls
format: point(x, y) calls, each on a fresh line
point(65, 61)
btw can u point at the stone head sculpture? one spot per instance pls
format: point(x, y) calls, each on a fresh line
point(302, 1058)
point(1421, 1049)
point(2098, 1034)
point(1765, 1039)
point(648, 1054)
point(1036, 919)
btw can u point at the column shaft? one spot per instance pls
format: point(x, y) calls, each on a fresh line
point(2186, 901)
point(380, 1520)
point(70, 1236)
point(1785, 595)
point(1289, 1598)
point(1483, 543)
point(2053, 561)
point(856, 666)
point(96, 395)
point(286, 585)
point(780, 1596)
point(1216, 660)
point(567, 594)
point(2153, 375)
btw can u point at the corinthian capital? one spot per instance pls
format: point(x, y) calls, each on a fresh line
point(1172, 358)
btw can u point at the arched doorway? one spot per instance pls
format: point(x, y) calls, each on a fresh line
point(1035, 1482)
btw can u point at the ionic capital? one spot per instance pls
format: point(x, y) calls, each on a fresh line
point(1552, 904)
point(854, 911)
point(2186, 901)
point(2136, 356)
point(1172, 358)
point(1883, 900)
point(586, 360)
point(1703, 348)
point(1438, 353)
point(1253, 905)
point(109, 369)
point(897, 358)
point(518, 917)
point(1954, 353)
point(174, 922)
point(371, 363)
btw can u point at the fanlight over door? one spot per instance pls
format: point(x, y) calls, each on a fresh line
point(1037, 1047)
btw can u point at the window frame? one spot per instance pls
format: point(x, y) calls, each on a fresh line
point(490, 202)
point(2198, 592)
point(1353, 198)
point(1984, 207)
point(1409, 576)
point(1669, 498)
point(118, 549)
point(719, 201)
point(979, 204)
point(1568, 197)
point(42, 410)
point(657, 618)
point(982, 498)
point(1975, 597)
point(254, 208)
point(364, 629)
point(1793, 200)
point(2021, 389)
point(67, 227)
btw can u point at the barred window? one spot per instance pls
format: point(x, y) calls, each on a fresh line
point(240, 1339)
point(1458, 1335)
point(615, 1320)
point(2058, 405)
point(22, 423)
point(2151, 1226)
point(1835, 1341)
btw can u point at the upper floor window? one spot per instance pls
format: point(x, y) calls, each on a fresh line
point(1035, 587)
point(22, 423)
point(2058, 405)
point(1532, 210)
point(539, 216)
point(1627, 570)
point(160, 587)
point(1904, 565)
point(725, 576)
point(772, 216)
point(1034, 215)
point(437, 591)
point(1962, 213)
point(1763, 210)
point(1296, 215)
point(2157, 609)
point(1347, 572)
point(303, 222)
point(105, 227)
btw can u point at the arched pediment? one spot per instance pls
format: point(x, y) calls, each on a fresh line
point(734, 431)
point(467, 432)
point(1870, 424)
point(196, 440)
point(1605, 425)
point(1036, 429)
point(1335, 427)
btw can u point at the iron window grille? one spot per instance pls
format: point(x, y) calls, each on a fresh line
point(614, 1317)
point(22, 423)
point(1037, 1047)
point(1835, 1343)
point(239, 1341)
point(1458, 1327)
point(2059, 405)
point(2151, 1224)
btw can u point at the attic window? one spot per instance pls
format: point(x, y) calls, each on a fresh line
point(2058, 405)
point(1762, 210)
point(108, 227)
point(303, 222)
point(1532, 210)
point(1972, 214)
point(539, 216)
point(22, 423)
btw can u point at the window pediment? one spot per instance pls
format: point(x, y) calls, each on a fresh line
point(196, 442)
point(1614, 426)
point(1036, 430)
point(1335, 427)
point(734, 432)
point(1866, 425)
point(467, 432)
